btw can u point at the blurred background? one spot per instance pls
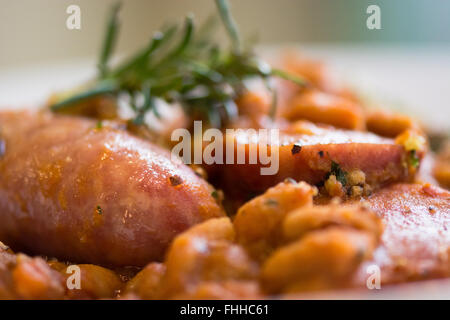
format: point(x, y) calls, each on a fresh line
point(406, 63)
point(35, 30)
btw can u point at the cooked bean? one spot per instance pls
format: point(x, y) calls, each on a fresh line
point(205, 253)
point(325, 108)
point(329, 257)
point(303, 220)
point(258, 222)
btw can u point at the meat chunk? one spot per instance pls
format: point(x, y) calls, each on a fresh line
point(93, 194)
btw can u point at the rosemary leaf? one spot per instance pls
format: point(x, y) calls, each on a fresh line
point(289, 76)
point(158, 39)
point(188, 31)
point(230, 25)
point(102, 88)
point(109, 41)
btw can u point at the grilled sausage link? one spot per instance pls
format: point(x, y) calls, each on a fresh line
point(92, 194)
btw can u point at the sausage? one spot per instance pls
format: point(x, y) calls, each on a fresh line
point(416, 241)
point(77, 191)
point(306, 152)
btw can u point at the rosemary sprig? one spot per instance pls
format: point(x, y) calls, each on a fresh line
point(182, 66)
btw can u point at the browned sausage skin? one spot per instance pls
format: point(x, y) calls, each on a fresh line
point(98, 195)
point(416, 241)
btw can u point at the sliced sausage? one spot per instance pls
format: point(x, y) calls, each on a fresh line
point(416, 240)
point(311, 154)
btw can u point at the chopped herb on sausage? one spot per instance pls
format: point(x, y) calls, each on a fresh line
point(337, 171)
point(99, 210)
point(271, 202)
point(413, 159)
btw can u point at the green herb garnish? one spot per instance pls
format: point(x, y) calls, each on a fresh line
point(110, 40)
point(99, 210)
point(413, 159)
point(184, 66)
point(230, 25)
point(271, 202)
point(337, 171)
